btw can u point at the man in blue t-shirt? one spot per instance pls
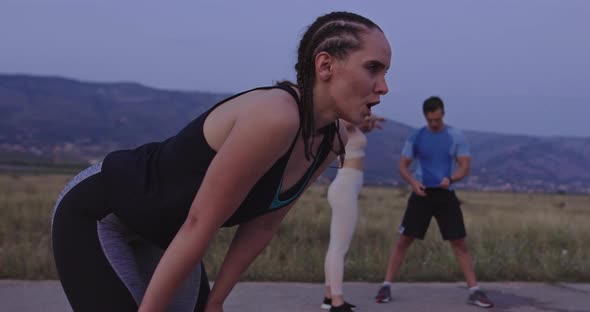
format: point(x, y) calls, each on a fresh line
point(441, 156)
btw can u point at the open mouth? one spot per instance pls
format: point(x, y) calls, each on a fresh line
point(372, 104)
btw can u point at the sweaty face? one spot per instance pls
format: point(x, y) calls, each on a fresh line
point(359, 79)
point(435, 120)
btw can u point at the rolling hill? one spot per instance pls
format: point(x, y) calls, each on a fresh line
point(65, 120)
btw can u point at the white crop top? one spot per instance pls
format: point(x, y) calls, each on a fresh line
point(355, 148)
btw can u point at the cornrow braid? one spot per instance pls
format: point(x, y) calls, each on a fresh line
point(337, 33)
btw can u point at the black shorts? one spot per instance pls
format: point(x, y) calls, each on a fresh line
point(440, 203)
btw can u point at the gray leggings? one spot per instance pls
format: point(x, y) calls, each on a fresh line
point(101, 263)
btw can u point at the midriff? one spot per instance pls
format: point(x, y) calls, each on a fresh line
point(355, 163)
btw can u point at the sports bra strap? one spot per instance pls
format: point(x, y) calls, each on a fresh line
point(281, 86)
point(290, 90)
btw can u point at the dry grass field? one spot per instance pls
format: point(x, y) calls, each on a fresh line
point(517, 237)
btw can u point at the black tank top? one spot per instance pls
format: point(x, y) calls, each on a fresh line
point(151, 188)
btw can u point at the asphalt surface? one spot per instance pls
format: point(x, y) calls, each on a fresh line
point(47, 296)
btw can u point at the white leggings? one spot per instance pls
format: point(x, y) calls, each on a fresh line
point(343, 198)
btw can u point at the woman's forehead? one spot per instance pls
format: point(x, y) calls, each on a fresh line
point(375, 39)
point(375, 47)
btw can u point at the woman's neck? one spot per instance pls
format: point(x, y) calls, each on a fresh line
point(323, 111)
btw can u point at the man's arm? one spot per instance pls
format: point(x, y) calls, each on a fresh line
point(463, 168)
point(464, 164)
point(462, 157)
point(404, 172)
point(408, 154)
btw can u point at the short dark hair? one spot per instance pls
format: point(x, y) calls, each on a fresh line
point(432, 104)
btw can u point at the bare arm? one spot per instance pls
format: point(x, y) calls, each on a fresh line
point(371, 122)
point(404, 172)
point(463, 168)
point(250, 240)
point(247, 152)
point(464, 164)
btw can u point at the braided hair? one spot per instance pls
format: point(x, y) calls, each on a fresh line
point(337, 33)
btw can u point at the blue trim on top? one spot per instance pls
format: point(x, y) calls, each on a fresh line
point(277, 202)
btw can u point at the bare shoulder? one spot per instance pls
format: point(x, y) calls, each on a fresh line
point(262, 113)
point(272, 108)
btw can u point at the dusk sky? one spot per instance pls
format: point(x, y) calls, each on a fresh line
point(518, 66)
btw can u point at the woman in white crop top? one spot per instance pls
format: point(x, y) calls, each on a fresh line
point(343, 198)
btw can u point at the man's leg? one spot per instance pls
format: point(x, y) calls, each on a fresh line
point(465, 262)
point(414, 225)
point(398, 253)
point(397, 256)
point(476, 295)
point(450, 220)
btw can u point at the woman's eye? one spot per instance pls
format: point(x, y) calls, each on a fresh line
point(372, 68)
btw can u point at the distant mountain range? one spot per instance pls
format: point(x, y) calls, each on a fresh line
point(64, 120)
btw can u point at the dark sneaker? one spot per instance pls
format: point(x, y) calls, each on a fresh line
point(327, 304)
point(341, 308)
point(384, 294)
point(480, 299)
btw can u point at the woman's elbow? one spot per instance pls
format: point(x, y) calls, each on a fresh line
point(190, 222)
point(197, 225)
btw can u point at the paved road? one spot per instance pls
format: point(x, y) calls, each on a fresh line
point(47, 296)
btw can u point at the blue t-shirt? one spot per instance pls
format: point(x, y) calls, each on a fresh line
point(436, 153)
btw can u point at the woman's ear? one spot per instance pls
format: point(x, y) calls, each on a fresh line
point(324, 65)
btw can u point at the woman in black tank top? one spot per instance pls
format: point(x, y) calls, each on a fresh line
point(129, 233)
